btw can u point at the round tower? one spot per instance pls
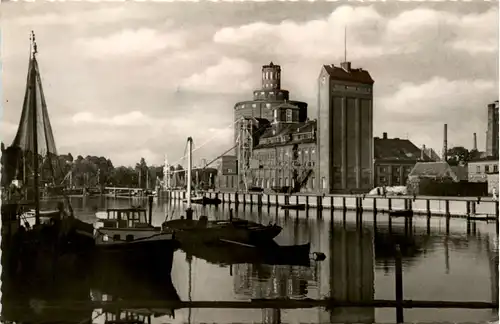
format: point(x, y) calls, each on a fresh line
point(271, 76)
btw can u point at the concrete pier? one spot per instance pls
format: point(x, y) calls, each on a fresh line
point(424, 205)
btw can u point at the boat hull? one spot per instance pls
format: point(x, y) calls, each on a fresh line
point(190, 232)
point(294, 207)
point(140, 256)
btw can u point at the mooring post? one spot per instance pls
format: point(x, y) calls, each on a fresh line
point(236, 198)
point(259, 200)
point(244, 199)
point(332, 207)
point(277, 200)
point(344, 207)
point(447, 208)
point(467, 208)
point(399, 286)
point(307, 202)
point(229, 198)
point(150, 201)
point(406, 204)
point(374, 206)
point(287, 199)
point(389, 203)
point(428, 207)
point(251, 199)
point(297, 199)
point(319, 202)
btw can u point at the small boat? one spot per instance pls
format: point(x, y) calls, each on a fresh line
point(401, 213)
point(203, 200)
point(237, 230)
point(294, 206)
point(226, 253)
point(127, 237)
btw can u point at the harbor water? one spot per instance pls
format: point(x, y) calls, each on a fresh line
point(440, 263)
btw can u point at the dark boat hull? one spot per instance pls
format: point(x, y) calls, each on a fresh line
point(190, 232)
point(206, 201)
point(401, 213)
point(141, 256)
point(294, 207)
point(273, 254)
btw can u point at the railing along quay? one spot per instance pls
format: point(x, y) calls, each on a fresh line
point(423, 205)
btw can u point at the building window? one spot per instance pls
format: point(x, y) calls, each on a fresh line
point(268, 105)
point(286, 181)
point(382, 180)
point(254, 105)
point(288, 115)
point(279, 182)
point(323, 183)
point(271, 93)
point(268, 182)
point(486, 168)
point(495, 168)
point(313, 180)
point(274, 182)
point(478, 169)
point(275, 115)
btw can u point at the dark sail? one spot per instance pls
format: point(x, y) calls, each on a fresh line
point(25, 138)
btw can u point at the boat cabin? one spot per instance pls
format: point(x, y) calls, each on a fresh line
point(126, 218)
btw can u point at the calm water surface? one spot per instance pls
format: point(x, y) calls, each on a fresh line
point(458, 266)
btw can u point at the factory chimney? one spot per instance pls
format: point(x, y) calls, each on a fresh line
point(422, 153)
point(445, 143)
point(475, 142)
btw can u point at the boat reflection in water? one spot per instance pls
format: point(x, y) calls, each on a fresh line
point(125, 284)
point(26, 300)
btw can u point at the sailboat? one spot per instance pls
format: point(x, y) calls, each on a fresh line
point(52, 233)
point(232, 231)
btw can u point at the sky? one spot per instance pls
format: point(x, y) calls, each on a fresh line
point(135, 79)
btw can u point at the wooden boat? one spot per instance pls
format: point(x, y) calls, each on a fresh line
point(238, 230)
point(226, 252)
point(128, 238)
point(206, 200)
point(294, 206)
point(401, 213)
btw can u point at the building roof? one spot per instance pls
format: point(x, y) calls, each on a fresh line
point(397, 149)
point(286, 105)
point(440, 170)
point(354, 75)
point(485, 159)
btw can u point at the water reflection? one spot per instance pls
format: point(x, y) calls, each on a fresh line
point(359, 267)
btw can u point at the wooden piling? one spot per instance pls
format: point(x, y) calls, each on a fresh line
point(307, 202)
point(287, 199)
point(374, 206)
point(428, 207)
point(344, 207)
point(297, 199)
point(399, 285)
point(319, 202)
point(389, 203)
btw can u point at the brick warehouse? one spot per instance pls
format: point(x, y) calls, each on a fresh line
point(290, 148)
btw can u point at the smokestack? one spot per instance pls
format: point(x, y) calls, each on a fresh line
point(445, 142)
point(422, 153)
point(384, 135)
point(475, 142)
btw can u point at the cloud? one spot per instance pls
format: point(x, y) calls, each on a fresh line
point(59, 15)
point(130, 42)
point(369, 34)
point(420, 110)
point(133, 118)
point(229, 75)
point(438, 97)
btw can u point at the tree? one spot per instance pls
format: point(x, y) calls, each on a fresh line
point(457, 154)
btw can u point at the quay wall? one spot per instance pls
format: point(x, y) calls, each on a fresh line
point(426, 205)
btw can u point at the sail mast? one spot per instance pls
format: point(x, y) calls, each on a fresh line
point(34, 112)
point(189, 210)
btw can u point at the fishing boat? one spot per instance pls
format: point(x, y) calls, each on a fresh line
point(294, 206)
point(126, 236)
point(195, 231)
point(33, 242)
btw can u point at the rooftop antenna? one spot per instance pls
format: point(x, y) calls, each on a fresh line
point(345, 43)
